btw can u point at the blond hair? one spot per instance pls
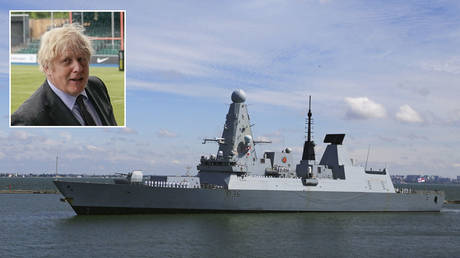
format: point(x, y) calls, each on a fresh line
point(56, 42)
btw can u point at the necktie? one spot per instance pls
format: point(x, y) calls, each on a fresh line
point(84, 112)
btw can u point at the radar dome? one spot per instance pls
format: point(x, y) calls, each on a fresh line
point(238, 96)
point(247, 139)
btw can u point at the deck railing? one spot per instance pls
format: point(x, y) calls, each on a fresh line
point(164, 184)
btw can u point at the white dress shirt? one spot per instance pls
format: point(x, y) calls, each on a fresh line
point(70, 100)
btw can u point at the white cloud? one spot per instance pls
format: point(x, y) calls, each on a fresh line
point(408, 115)
point(128, 130)
point(286, 98)
point(453, 116)
point(51, 142)
point(4, 68)
point(278, 98)
point(189, 53)
point(263, 138)
point(66, 136)
point(20, 135)
point(93, 148)
point(364, 108)
point(186, 89)
point(163, 133)
point(276, 137)
point(452, 65)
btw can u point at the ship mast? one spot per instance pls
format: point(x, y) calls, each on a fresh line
point(56, 164)
point(309, 146)
point(309, 120)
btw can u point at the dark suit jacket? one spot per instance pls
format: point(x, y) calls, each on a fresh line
point(45, 108)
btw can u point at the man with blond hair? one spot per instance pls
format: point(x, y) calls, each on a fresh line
point(69, 96)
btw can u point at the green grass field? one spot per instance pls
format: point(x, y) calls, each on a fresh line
point(25, 79)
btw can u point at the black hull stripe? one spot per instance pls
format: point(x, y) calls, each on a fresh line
point(87, 210)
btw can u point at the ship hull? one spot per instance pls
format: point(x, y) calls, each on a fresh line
point(94, 198)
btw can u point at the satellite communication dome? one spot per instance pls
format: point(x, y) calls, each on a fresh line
point(238, 96)
point(247, 139)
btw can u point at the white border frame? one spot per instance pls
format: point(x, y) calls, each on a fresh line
point(9, 67)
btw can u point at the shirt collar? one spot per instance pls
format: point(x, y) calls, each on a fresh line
point(68, 100)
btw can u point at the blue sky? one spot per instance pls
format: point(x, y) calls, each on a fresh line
point(386, 73)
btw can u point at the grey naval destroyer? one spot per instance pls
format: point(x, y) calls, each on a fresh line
point(236, 179)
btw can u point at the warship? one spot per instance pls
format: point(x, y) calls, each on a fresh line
point(236, 179)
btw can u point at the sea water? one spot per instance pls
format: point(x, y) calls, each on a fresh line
point(40, 225)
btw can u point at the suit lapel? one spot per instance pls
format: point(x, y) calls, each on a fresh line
point(57, 110)
point(97, 105)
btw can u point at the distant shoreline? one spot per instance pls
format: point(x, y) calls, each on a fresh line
point(28, 192)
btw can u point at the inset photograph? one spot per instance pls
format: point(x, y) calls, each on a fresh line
point(67, 68)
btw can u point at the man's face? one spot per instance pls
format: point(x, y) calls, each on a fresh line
point(69, 72)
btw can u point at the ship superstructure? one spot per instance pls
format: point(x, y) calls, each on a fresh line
point(237, 155)
point(236, 179)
